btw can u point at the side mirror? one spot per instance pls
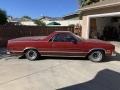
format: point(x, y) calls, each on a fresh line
point(74, 41)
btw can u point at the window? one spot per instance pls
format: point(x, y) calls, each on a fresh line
point(63, 38)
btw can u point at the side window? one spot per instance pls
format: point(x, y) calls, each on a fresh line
point(63, 38)
point(58, 38)
point(69, 38)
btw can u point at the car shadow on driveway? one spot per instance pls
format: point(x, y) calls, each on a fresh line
point(61, 58)
point(56, 58)
point(104, 80)
point(113, 58)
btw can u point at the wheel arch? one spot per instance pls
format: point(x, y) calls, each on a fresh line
point(95, 49)
point(28, 48)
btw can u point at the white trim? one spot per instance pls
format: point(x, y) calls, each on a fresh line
point(101, 6)
point(104, 15)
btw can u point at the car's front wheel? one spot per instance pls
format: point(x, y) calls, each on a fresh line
point(96, 56)
point(32, 54)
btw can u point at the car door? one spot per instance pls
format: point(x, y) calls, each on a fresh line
point(66, 45)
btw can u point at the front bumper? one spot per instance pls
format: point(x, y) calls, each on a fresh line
point(16, 53)
point(114, 54)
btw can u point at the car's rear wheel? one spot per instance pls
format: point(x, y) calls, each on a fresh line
point(96, 56)
point(32, 54)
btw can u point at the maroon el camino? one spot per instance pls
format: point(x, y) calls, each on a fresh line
point(60, 43)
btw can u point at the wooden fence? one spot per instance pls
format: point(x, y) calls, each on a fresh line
point(10, 32)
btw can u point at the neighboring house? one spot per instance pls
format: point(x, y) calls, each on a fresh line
point(13, 21)
point(67, 20)
point(101, 20)
point(72, 16)
point(20, 21)
point(71, 19)
point(50, 21)
point(47, 18)
point(27, 23)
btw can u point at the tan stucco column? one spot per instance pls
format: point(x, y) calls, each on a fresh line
point(85, 27)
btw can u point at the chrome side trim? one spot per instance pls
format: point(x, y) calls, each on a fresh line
point(62, 52)
point(62, 56)
point(16, 51)
point(29, 48)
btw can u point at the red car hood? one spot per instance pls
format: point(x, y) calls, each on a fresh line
point(29, 38)
point(96, 41)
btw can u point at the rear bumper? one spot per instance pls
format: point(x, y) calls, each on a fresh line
point(14, 52)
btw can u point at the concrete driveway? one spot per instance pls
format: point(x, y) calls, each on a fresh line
point(59, 74)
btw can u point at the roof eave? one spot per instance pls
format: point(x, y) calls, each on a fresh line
point(98, 7)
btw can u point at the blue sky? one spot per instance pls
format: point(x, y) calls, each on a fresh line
point(36, 8)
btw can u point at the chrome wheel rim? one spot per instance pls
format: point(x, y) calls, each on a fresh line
point(96, 56)
point(31, 54)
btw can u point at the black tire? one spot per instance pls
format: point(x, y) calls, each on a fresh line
point(32, 54)
point(96, 56)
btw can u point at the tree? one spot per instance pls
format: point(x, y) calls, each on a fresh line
point(26, 17)
point(39, 23)
point(3, 17)
point(87, 2)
